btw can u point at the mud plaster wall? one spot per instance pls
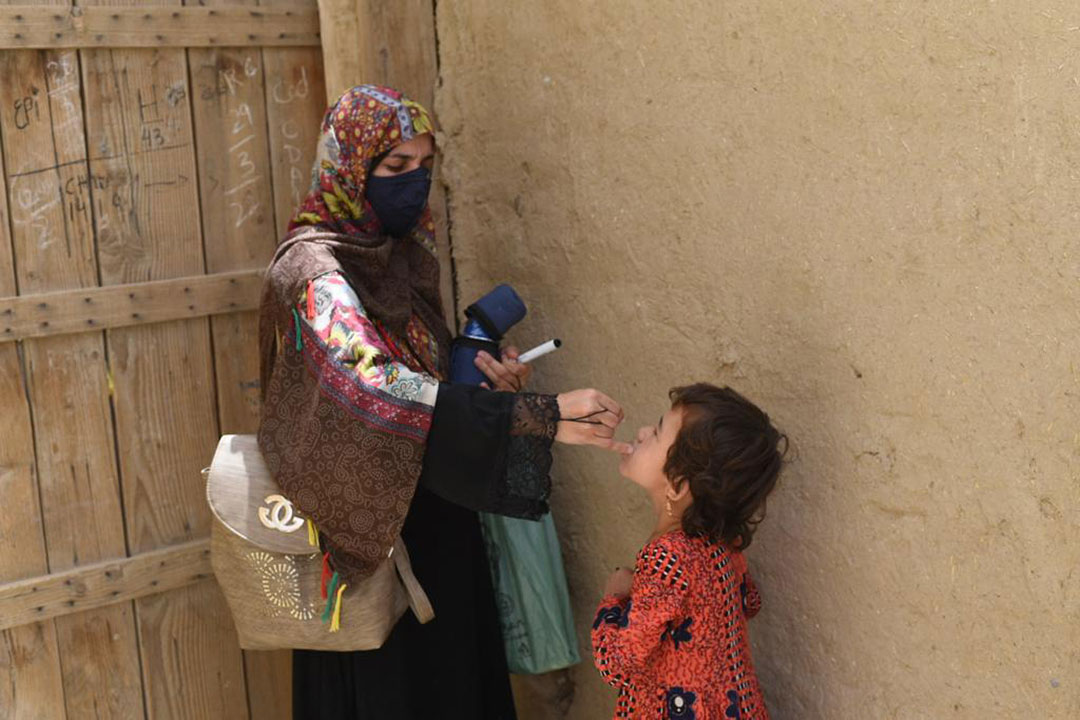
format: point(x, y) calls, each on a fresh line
point(864, 216)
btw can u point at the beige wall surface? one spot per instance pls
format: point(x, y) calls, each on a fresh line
point(864, 215)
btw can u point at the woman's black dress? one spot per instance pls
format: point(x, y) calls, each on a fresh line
point(485, 450)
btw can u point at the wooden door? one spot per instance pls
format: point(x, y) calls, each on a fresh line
point(152, 154)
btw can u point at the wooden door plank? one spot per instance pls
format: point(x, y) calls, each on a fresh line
point(235, 180)
point(99, 308)
point(30, 660)
point(141, 138)
point(237, 209)
point(66, 378)
point(29, 26)
point(342, 22)
point(30, 681)
point(104, 583)
point(295, 104)
point(190, 622)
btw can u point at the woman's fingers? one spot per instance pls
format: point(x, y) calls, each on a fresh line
point(599, 416)
point(610, 405)
point(609, 419)
point(498, 373)
point(603, 431)
point(508, 375)
point(615, 446)
point(521, 371)
point(491, 376)
point(608, 411)
point(589, 417)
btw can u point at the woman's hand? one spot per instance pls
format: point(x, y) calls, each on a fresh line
point(508, 375)
point(589, 417)
point(619, 583)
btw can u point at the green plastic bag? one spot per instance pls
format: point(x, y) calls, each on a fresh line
point(530, 591)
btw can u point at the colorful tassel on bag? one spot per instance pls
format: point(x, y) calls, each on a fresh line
point(299, 340)
point(331, 595)
point(325, 574)
point(310, 301)
point(312, 534)
point(335, 624)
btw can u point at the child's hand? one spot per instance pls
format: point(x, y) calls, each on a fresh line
point(619, 583)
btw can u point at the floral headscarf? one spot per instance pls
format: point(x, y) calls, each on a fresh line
point(359, 129)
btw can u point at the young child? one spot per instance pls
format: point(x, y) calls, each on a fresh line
point(671, 636)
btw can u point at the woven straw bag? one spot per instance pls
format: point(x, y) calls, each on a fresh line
point(263, 556)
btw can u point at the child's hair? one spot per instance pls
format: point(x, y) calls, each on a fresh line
point(730, 454)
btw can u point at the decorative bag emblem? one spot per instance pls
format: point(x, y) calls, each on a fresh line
point(280, 516)
point(280, 580)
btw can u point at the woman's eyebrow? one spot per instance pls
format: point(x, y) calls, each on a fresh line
point(409, 156)
point(661, 423)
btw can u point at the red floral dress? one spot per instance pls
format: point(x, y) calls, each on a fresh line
point(678, 646)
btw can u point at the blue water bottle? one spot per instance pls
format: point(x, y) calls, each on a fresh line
point(489, 319)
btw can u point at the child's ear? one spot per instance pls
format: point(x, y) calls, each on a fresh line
point(678, 490)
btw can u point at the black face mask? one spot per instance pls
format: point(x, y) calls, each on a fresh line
point(399, 200)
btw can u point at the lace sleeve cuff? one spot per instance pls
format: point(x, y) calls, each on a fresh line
point(533, 424)
point(535, 415)
point(491, 451)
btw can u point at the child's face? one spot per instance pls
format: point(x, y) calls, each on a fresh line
point(645, 465)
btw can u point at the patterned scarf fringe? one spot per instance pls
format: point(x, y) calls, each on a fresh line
point(325, 575)
point(335, 624)
point(299, 339)
point(333, 598)
point(333, 593)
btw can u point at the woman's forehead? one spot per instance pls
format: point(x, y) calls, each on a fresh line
point(421, 145)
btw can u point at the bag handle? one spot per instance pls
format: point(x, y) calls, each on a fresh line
point(418, 599)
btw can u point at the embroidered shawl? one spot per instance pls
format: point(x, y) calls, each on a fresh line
point(348, 454)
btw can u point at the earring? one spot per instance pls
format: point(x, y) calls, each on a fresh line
point(670, 514)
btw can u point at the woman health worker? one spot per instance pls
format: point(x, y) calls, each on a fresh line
point(363, 433)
